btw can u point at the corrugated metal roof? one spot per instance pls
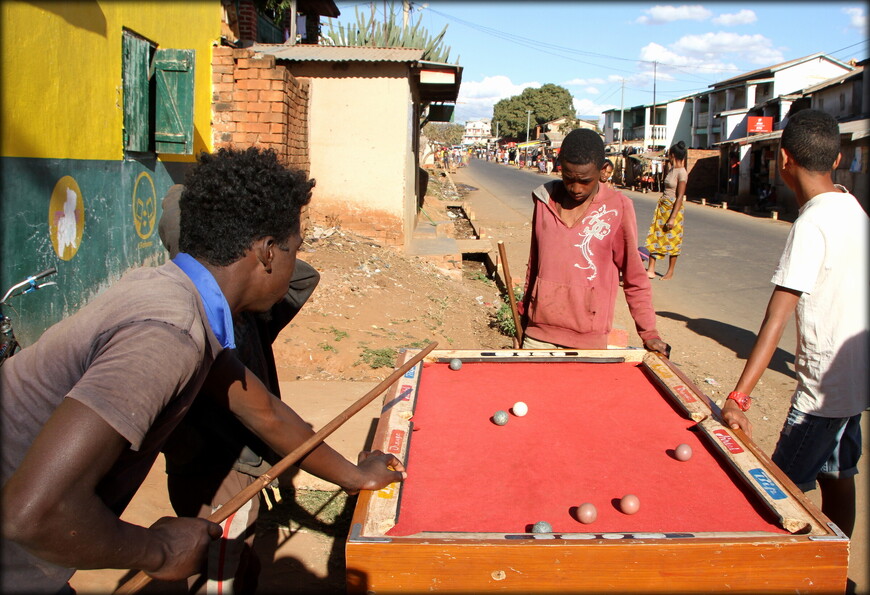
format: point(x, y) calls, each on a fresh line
point(775, 68)
point(325, 53)
point(856, 129)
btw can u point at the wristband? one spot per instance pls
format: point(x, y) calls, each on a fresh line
point(743, 401)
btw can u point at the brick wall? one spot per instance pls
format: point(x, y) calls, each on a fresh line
point(703, 168)
point(247, 21)
point(259, 103)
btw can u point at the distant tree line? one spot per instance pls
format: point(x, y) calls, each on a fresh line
point(546, 103)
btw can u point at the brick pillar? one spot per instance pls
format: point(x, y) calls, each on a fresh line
point(247, 22)
point(259, 103)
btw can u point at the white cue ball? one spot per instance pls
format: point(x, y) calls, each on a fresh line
point(455, 363)
point(520, 409)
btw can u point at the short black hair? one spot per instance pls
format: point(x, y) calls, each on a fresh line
point(679, 151)
point(582, 146)
point(606, 163)
point(234, 197)
point(812, 138)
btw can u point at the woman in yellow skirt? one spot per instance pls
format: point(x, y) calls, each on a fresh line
point(665, 236)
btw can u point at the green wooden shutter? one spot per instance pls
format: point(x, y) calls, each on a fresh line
point(137, 129)
point(173, 125)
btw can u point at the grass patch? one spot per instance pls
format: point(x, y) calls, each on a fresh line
point(378, 358)
point(503, 319)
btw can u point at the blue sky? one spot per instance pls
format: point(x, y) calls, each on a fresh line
point(591, 47)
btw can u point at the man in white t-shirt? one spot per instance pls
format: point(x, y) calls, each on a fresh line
point(822, 277)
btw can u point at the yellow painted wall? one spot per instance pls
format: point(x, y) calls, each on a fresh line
point(60, 71)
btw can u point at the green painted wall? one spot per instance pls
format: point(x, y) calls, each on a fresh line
point(119, 210)
point(67, 187)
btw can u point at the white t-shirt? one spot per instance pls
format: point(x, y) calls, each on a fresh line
point(826, 258)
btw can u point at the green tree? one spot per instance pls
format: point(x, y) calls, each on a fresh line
point(367, 31)
point(547, 103)
point(449, 134)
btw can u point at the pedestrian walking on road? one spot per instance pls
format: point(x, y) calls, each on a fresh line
point(665, 236)
point(822, 278)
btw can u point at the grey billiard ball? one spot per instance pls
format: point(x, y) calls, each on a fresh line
point(542, 527)
point(455, 363)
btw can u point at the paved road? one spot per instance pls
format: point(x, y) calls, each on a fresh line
point(722, 281)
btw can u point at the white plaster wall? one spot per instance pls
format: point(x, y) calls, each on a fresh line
point(805, 75)
point(359, 135)
point(679, 122)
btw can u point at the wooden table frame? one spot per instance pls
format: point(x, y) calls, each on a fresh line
point(812, 558)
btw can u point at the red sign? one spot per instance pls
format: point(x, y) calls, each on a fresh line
point(729, 442)
point(397, 439)
point(757, 124)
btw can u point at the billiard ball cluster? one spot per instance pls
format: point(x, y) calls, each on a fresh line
point(586, 513)
point(501, 417)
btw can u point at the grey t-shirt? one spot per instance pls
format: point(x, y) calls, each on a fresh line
point(136, 355)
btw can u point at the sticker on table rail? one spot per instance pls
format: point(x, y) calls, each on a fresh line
point(662, 370)
point(397, 440)
point(767, 484)
point(687, 395)
point(405, 392)
point(728, 440)
point(411, 373)
point(388, 492)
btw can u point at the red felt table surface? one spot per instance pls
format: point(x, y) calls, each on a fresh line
point(593, 433)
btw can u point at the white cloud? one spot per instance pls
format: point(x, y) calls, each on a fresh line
point(592, 81)
point(755, 48)
point(587, 107)
point(476, 98)
point(744, 17)
point(857, 18)
point(591, 90)
point(659, 15)
point(705, 64)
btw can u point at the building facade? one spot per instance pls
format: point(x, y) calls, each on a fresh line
point(92, 139)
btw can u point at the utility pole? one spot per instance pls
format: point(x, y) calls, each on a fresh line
point(652, 129)
point(528, 123)
point(621, 133)
point(406, 9)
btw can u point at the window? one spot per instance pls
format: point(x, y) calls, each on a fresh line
point(158, 97)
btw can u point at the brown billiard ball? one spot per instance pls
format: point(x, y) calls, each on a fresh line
point(629, 504)
point(586, 513)
point(683, 452)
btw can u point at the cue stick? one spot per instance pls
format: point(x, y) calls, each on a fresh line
point(140, 580)
point(510, 291)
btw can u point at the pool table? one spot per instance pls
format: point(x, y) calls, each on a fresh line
point(600, 425)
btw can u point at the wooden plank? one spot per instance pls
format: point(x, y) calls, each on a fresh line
point(506, 355)
point(616, 567)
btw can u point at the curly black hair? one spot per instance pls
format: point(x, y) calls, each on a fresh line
point(812, 137)
point(235, 197)
point(582, 146)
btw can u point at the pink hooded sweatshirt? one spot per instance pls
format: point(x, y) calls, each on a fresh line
point(573, 273)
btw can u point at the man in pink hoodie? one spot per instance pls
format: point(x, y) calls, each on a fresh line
point(584, 235)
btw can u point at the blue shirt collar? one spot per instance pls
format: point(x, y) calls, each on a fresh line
point(217, 309)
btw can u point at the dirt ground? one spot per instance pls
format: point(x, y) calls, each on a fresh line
point(373, 301)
